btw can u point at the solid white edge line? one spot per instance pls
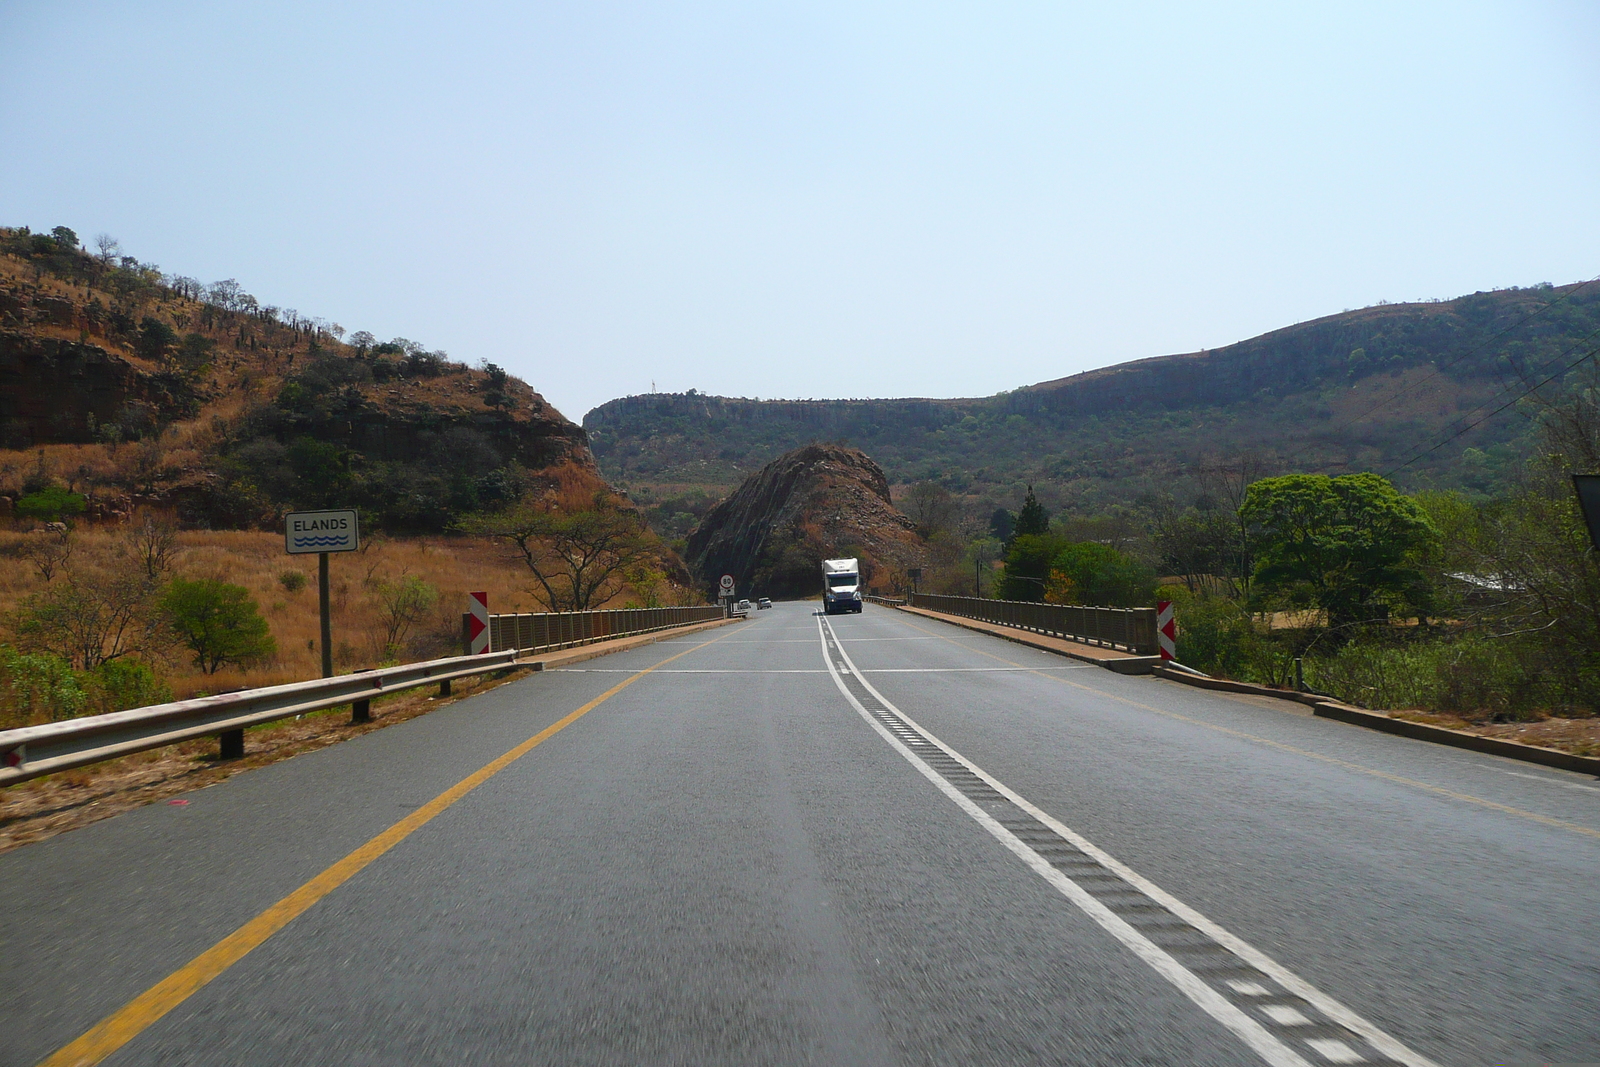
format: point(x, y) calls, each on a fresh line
point(1333, 1009)
point(1252, 1033)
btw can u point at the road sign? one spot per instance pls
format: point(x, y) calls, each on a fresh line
point(478, 624)
point(1166, 630)
point(727, 585)
point(321, 531)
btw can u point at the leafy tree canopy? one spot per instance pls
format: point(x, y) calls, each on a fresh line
point(1094, 574)
point(1027, 569)
point(1350, 544)
point(218, 622)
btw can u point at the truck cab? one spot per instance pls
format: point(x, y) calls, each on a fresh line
point(841, 586)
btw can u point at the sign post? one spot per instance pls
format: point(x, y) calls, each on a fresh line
point(322, 532)
point(725, 592)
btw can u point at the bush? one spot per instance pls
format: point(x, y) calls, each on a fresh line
point(121, 684)
point(38, 686)
point(1101, 576)
point(218, 622)
point(1474, 677)
point(292, 581)
point(51, 504)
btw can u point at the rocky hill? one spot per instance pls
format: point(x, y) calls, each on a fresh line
point(137, 388)
point(815, 503)
point(1369, 389)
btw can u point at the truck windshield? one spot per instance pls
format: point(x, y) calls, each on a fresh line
point(840, 581)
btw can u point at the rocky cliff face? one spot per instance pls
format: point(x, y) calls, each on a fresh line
point(817, 502)
point(140, 395)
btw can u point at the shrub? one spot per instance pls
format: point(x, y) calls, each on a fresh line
point(51, 504)
point(1103, 577)
point(292, 581)
point(218, 622)
point(38, 685)
point(121, 684)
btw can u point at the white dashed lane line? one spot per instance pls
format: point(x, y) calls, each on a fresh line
point(1283, 1018)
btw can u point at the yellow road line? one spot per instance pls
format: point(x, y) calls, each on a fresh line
point(1546, 820)
point(127, 1023)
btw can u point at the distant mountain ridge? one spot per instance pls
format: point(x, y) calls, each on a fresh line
point(1359, 390)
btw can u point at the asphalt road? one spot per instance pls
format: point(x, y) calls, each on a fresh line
point(906, 843)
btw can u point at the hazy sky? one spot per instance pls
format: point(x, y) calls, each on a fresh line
point(819, 199)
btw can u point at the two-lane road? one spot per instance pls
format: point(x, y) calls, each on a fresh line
point(869, 839)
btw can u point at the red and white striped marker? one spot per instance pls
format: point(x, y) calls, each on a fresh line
point(1166, 630)
point(478, 625)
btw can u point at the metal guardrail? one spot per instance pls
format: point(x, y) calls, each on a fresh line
point(885, 601)
point(550, 630)
point(1130, 629)
point(31, 751)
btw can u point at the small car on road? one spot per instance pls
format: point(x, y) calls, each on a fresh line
point(763, 603)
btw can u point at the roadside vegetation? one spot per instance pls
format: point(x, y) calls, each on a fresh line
point(1469, 608)
point(157, 428)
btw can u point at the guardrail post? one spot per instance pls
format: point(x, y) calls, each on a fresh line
point(230, 744)
point(360, 711)
point(444, 687)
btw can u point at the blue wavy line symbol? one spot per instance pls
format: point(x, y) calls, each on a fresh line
point(316, 542)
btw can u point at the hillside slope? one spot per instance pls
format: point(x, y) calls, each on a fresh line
point(1361, 390)
point(135, 388)
point(814, 503)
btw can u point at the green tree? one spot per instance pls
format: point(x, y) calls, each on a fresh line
point(1027, 567)
point(580, 558)
point(1033, 519)
point(1100, 576)
point(51, 504)
point(65, 237)
point(156, 339)
point(218, 622)
point(1350, 545)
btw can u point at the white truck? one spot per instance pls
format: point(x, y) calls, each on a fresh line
point(841, 586)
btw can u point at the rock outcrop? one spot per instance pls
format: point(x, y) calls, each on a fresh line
point(817, 502)
point(142, 396)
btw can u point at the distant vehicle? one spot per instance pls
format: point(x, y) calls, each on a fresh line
point(744, 605)
point(841, 586)
point(763, 603)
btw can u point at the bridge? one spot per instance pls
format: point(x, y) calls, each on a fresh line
point(869, 839)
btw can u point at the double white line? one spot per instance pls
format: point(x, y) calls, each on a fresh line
point(1253, 1033)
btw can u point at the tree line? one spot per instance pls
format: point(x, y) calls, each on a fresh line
point(1479, 605)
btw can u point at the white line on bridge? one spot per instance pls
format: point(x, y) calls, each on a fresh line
point(1261, 1040)
point(813, 670)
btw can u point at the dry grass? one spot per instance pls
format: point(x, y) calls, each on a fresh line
point(257, 561)
point(1581, 737)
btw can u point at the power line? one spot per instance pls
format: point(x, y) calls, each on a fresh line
point(1440, 368)
point(1473, 425)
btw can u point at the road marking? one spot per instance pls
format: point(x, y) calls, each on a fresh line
point(127, 1023)
point(707, 670)
point(1398, 779)
point(1334, 1051)
point(1271, 1047)
point(1284, 1015)
point(815, 670)
point(1590, 789)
